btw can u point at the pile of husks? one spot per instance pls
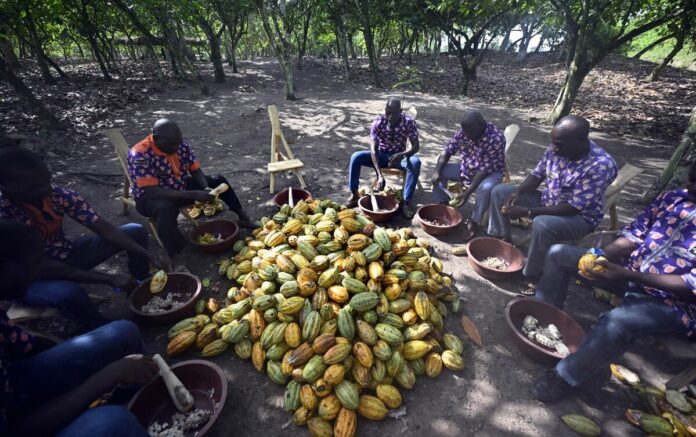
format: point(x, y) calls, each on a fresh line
point(338, 310)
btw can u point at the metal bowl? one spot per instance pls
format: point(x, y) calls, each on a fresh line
point(481, 248)
point(448, 216)
point(387, 208)
point(227, 229)
point(206, 382)
point(184, 284)
point(518, 309)
point(298, 194)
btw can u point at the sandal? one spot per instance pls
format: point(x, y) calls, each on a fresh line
point(468, 233)
point(527, 289)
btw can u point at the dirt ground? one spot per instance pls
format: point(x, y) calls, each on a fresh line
point(230, 133)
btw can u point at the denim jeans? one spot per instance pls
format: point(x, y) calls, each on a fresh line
point(450, 172)
point(88, 251)
point(410, 165)
point(640, 315)
point(547, 230)
point(62, 368)
point(165, 212)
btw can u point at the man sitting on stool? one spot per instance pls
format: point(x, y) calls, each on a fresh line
point(166, 177)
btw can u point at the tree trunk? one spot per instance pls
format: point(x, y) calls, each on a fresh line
point(38, 49)
point(302, 46)
point(280, 50)
point(214, 43)
point(542, 39)
point(677, 168)
point(652, 45)
point(655, 74)
point(372, 56)
point(506, 41)
point(437, 44)
point(56, 67)
point(7, 52)
point(353, 54)
point(566, 98)
point(16, 82)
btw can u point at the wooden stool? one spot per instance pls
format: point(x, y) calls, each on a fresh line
point(281, 162)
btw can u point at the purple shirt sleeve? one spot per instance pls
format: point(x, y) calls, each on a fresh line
point(77, 207)
point(374, 130)
point(540, 169)
point(591, 187)
point(412, 129)
point(639, 228)
point(452, 146)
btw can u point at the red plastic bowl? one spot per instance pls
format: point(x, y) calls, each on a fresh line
point(182, 283)
point(206, 382)
point(387, 205)
point(227, 229)
point(481, 248)
point(518, 309)
point(451, 217)
point(298, 194)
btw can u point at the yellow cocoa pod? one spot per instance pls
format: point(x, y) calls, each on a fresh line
point(319, 428)
point(334, 374)
point(415, 349)
point(308, 398)
point(293, 335)
point(158, 281)
point(322, 388)
point(433, 365)
point(301, 416)
point(452, 360)
point(181, 342)
point(372, 407)
point(329, 407)
point(363, 354)
point(390, 395)
point(258, 356)
point(346, 423)
point(256, 324)
point(588, 264)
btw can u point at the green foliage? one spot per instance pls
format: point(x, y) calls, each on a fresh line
point(410, 78)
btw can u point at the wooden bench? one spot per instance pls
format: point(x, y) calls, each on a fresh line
point(682, 350)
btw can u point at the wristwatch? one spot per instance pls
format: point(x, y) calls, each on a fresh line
point(529, 212)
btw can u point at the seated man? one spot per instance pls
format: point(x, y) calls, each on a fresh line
point(389, 133)
point(653, 261)
point(27, 196)
point(166, 177)
point(482, 146)
point(48, 393)
point(576, 172)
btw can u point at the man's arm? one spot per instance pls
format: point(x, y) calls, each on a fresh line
point(51, 417)
point(619, 249)
point(50, 269)
point(118, 238)
point(442, 160)
point(199, 178)
point(375, 162)
point(475, 182)
point(157, 192)
point(562, 209)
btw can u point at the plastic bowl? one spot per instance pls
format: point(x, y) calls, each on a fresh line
point(227, 229)
point(206, 382)
point(387, 205)
point(481, 248)
point(518, 309)
point(184, 284)
point(298, 194)
point(450, 217)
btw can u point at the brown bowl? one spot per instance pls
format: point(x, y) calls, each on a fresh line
point(206, 382)
point(298, 194)
point(227, 229)
point(481, 248)
point(450, 217)
point(182, 283)
point(518, 309)
point(387, 205)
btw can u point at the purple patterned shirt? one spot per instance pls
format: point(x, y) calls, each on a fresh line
point(393, 141)
point(48, 221)
point(665, 233)
point(149, 166)
point(580, 183)
point(15, 342)
point(485, 155)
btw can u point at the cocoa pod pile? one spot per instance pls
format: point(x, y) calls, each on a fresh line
point(336, 309)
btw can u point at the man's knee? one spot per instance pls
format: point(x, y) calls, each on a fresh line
point(561, 253)
point(125, 334)
point(541, 226)
point(136, 232)
point(616, 324)
point(415, 162)
point(67, 293)
point(108, 420)
point(500, 192)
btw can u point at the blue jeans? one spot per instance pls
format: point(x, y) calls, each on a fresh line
point(639, 315)
point(410, 165)
point(88, 251)
point(450, 172)
point(547, 230)
point(62, 368)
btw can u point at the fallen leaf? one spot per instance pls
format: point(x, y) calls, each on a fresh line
point(205, 282)
point(471, 330)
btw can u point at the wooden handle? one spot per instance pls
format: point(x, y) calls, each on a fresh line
point(291, 201)
point(180, 395)
point(219, 189)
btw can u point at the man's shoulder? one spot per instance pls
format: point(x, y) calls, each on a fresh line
point(600, 155)
point(142, 146)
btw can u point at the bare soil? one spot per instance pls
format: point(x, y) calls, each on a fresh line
point(230, 133)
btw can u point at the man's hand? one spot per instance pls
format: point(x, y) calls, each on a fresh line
point(511, 199)
point(612, 273)
point(515, 212)
point(158, 262)
point(395, 159)
point(436, 180)
point(465, 196)
point(123, 282)
point(134, 369)
point(203, 196)
point(381, 183)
